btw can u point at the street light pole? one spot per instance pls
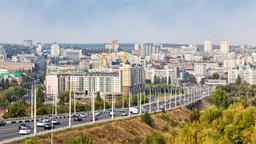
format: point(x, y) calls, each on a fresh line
point(165, 99)
point(175, 97)
point(32, 100)
point(150, 99)
point(93, 108)
point(140, 100)
point(112, 114)
point(35, 108)
point(56, 105)
point(74, 102)
point(104, 103)
point(129, 114)
point(69, 118)
point(157, 100)
point(122, 101)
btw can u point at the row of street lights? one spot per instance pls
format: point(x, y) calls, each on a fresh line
point(157, 95)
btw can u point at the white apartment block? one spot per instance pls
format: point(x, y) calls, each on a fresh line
point(208, 46)
point(168, 74)
point(229, 64)
point(247, 74)
point(55, 50)
point(224, 47)
point(90, 82)
point(51, 85)
point(200, 69)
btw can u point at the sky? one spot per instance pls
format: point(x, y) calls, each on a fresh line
point(96, 21)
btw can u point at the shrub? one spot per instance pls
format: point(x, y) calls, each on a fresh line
point(31, 141)
point(79, 140)
point(148, 119)
point(155, 138)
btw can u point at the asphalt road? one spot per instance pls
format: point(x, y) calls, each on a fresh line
point(11, 130)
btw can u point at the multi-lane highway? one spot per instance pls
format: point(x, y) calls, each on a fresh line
point(11, 131)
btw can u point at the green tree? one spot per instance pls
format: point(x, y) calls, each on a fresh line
point(16, 110)
point(238, 80)
point(98, 98)
point(63, 97)
point(6, 84)
point(194, 115)
point(221, 98)
point(40, 95)
point(148, 119)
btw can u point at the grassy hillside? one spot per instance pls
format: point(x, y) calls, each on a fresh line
point(132, 130)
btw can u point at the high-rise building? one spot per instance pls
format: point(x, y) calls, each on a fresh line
point(132, 77)
point(39, 48)
point(104, 82)
point(28, 43)
point(224, 47)
point(208, 46)
point(52, 85)
point(151, 48)
point(55, 50)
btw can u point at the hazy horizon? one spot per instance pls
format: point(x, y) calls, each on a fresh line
point(100, 21)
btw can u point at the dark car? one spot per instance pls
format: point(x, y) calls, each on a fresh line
point(92, 118)
point(48, 126)
point(77, 118)
point(23, 125)
point(2, 123)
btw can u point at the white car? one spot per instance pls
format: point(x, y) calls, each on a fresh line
point(124, 112)
point(97, 113)
point(25, 131)
point(83, 115)
point(43, 123)
point(111, 113)
point(134, 110)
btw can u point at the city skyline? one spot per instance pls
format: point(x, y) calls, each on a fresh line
point(89, 21)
